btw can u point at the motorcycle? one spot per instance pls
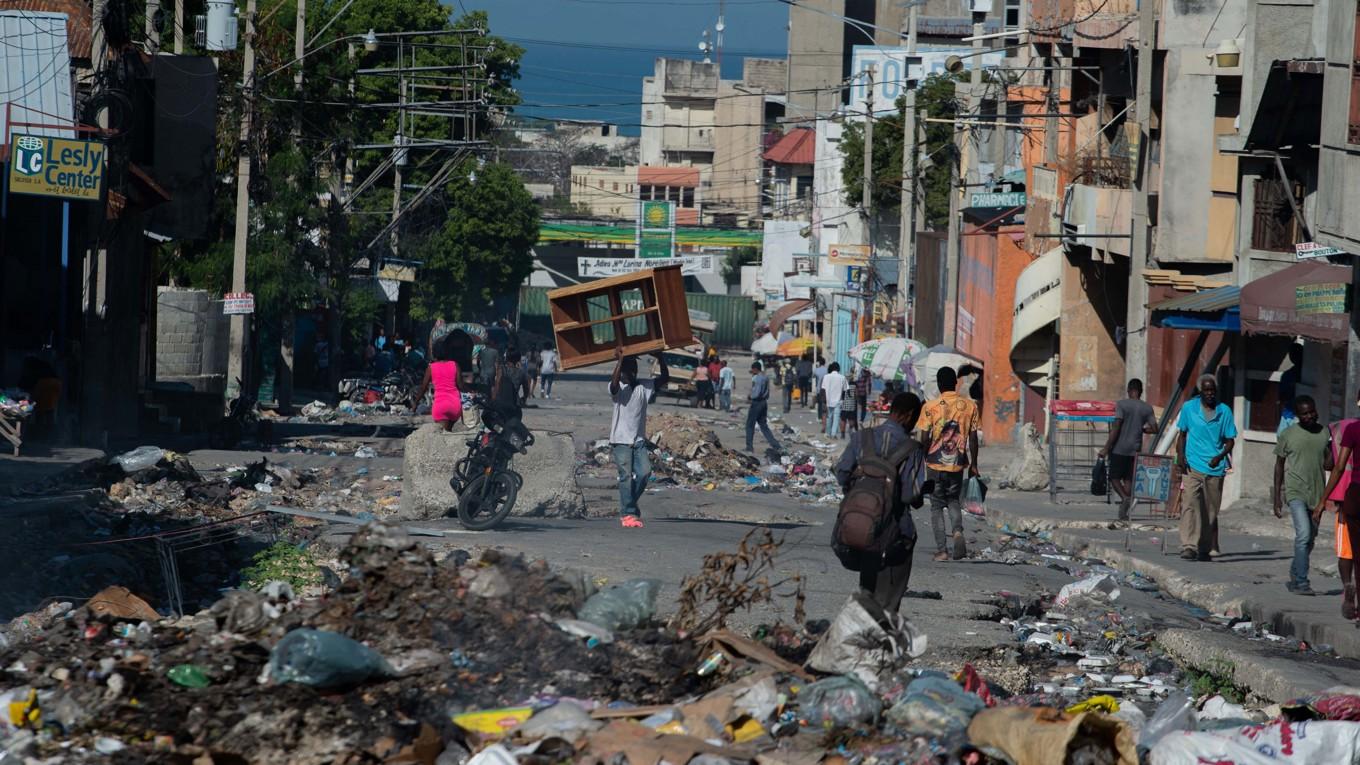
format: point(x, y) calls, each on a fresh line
point(483, 480)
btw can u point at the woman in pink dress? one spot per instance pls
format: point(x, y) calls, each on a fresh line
point(443, 375)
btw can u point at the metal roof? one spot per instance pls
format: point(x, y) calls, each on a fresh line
point(35, 73)
point(77, 14)
point(1207, 301)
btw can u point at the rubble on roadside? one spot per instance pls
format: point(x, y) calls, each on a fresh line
point(495, 661)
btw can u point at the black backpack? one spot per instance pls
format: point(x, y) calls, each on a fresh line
point(867, 530)
point(1100, 485)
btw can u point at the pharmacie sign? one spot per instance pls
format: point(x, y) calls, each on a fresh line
point(57, 167)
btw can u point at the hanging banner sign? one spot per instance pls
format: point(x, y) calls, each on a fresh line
point(234, 303)
point(848, 254)
point(56, 167)
point(1304, 250)
point(656, 229)
point(690, 265)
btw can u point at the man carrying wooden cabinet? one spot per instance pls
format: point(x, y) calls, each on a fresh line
point(628, 431)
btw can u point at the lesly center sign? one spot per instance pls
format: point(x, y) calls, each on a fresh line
point(57, 167)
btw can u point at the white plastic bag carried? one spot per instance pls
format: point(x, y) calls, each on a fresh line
point(1276, 743)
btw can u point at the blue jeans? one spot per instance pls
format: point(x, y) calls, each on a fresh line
point(1305, 534)
point(725, 399)
point(634, 470)
point(548, 379)
point(833, 420)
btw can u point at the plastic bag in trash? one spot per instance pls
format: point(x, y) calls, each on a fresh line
point(1101, 586)
point(935, 707)
point(623, 606)
point(975, 496)
point(1276, 743)
point(324, 660)
point(1175, 713)
point(838, 702)
point(564, 719)
point(858, 642)
point(140, 458)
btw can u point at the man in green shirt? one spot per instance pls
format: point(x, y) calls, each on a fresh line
point(1302, 458)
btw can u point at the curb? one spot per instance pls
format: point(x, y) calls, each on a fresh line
point(1251, 666)
point(1231, 599)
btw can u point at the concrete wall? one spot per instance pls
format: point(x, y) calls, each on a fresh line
point(191, 338)
point(609, 192)
point(816, 43)
point(1338, 214)
point(1091, 366)
point(735, 175)
point(988, 269)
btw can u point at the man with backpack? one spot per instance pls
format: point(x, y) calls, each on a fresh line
point(882, 473)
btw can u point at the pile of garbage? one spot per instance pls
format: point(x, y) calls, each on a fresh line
point(499, 661)
point(320, 411)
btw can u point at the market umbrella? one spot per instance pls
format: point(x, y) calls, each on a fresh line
point(929, 361)
point(889, 358)
point(765, 345)
point(796, 346)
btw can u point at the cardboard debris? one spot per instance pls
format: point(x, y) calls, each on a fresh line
point(119, 603)
point(644, 746)
point(752, 650)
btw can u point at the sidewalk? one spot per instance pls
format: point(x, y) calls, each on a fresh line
point(1248, 580)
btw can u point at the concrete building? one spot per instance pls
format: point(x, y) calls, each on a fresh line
point(690, 118)
point(605, 192)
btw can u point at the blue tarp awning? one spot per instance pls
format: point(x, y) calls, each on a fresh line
point(1215, 310)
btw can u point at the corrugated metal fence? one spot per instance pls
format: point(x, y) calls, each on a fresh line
point(734, 314)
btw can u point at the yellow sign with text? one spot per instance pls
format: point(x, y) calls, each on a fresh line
point(56, 167)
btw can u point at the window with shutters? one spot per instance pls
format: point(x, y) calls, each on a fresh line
point(1273, 226)
point(1353, 124)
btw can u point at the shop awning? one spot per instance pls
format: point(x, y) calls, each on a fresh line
point(1216, 310)
point(1306, 299)
point(784, 312)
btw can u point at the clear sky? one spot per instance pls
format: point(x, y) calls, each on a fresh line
point(585, 59)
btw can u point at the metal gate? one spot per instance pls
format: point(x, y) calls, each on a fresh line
point(1080, 429)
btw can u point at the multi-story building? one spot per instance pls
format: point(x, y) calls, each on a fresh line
point(691, 118)
point(614, 192)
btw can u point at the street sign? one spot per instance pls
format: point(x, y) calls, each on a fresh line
point(690, 265)
point(1001, 200)
point(893, 69)
point(397, 273)
point(238, 303)
point(1304, 250)
point(56, 167)
point(852, 276)
point(848, 254)
point(1320, 298)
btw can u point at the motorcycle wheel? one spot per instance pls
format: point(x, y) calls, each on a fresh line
point(487, 500)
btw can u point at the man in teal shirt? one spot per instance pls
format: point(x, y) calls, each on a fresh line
point(1206, 440)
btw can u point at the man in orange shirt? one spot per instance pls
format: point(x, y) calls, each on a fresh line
point(949, 429)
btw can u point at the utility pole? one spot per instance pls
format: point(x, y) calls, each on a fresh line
point(390, 310)
point(906, 247)
point(968, 158)
point(1135, 336)
point(179, 27)
point(236, 349)
point(283, 394)
point(867, 179)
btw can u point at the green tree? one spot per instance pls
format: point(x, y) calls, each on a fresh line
point(736, 258)
point(484, 248)
point(934, 98)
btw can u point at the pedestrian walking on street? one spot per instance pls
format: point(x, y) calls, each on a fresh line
point(804, 370)
point(714, 372)
point(1133, 418)
point(833, 387)
point(788, 378)
point(949, 429)
point(1344, 562)
point(1344, 467)
point(442, 375)
point(885, 578)
point(628, 431)
point(727, 380)
point(548, 369)
point(703, 386)
point(1303, 457)
point(849, 422)
point(757, 411)
point(1206, 439)
point(863, 386)
point(533, 367)
point(819, 374)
